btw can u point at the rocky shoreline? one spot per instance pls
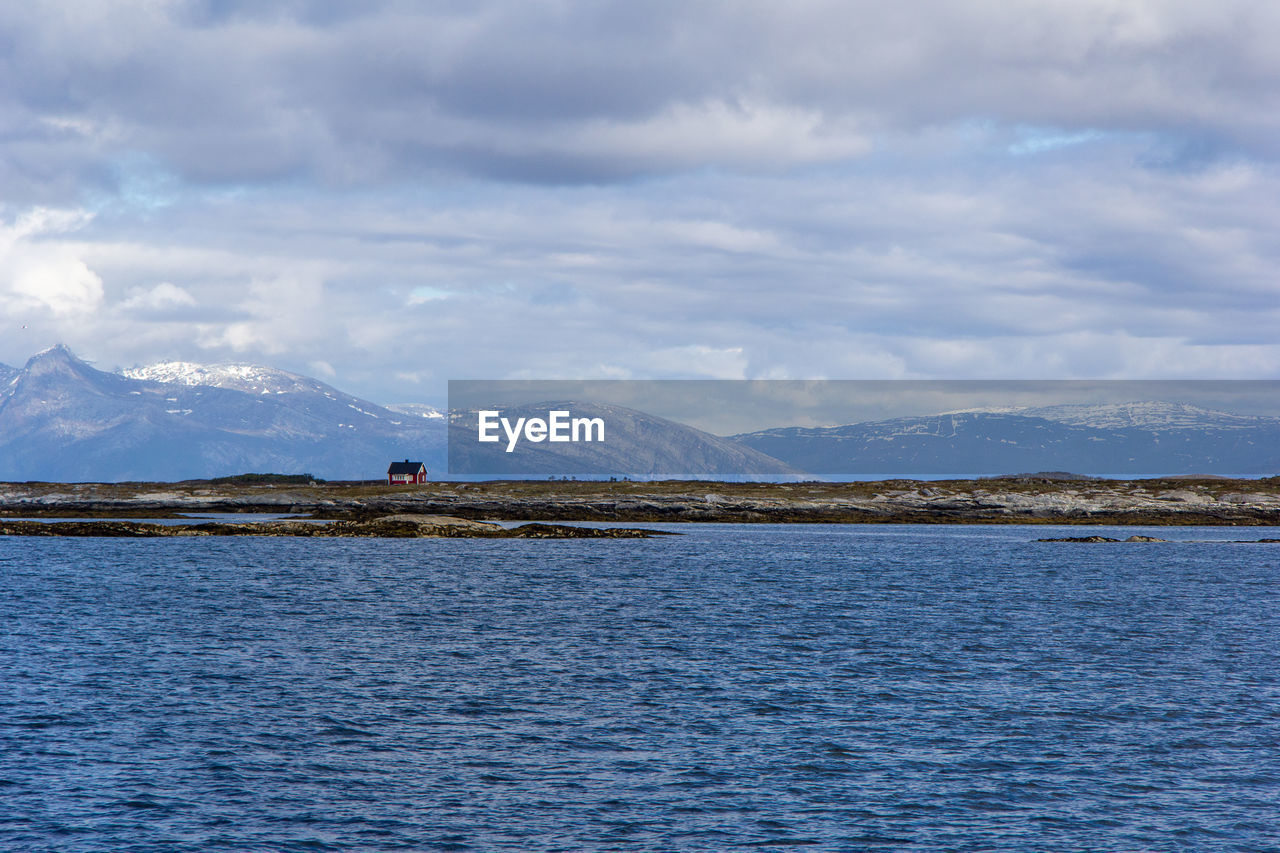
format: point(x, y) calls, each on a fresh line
point(391, 527)
point(1175, 501)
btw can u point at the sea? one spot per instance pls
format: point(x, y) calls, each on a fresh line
point(733, 687)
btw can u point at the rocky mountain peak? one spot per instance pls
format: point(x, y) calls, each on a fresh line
point(56, 354)
point(56, 361)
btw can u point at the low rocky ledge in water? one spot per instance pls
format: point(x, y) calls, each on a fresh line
point(1102, 539)
point(401, 526)
point(1091, 539)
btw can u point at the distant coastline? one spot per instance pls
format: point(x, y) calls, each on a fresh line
point(1012, 500)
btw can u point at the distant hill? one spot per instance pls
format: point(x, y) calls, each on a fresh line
point(636, 445)
point(63, 420)
point(1148, 414)
point(1129, 439)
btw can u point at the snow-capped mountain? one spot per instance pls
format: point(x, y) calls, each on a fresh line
point(62, 419)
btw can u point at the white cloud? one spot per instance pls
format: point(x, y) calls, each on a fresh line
point(164, 296)
point(320, 367)
point(41, 272)
point(694, 360)
point(54, 280)
point(284, 313)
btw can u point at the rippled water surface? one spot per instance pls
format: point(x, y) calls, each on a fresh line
point(772, 687)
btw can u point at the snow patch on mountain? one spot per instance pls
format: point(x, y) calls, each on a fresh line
point(1151, 414)
point(251, 378)
point(988, 410)
point(1147, 414)
point(418, 410)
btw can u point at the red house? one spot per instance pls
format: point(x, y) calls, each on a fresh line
point(406, 473)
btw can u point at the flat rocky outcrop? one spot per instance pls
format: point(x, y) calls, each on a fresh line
point(998, 501)
point(1103, 539)
point(1095, 539)
point(390, 527)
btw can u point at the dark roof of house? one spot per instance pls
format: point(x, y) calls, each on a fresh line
point(405, 467)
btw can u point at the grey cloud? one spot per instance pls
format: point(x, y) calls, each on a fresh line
point(709, 189)
point(548, 92)
point(1093, 269)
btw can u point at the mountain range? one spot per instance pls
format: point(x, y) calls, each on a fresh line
point(1129, 439)
point(61, 419)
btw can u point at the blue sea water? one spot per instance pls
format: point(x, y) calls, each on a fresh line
point(737, 687)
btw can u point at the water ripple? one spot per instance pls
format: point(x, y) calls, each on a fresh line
point(827, 688)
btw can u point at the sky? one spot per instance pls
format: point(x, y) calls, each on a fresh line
point(388, 195)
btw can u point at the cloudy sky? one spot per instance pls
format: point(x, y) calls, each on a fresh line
point(388, 195)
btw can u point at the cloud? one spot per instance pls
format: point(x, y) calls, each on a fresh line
point(40, 272)
point(822, 189)
point(744, 134)
point(538, 91)
point(165, 296)
point(278, 314)
point(320, 367)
